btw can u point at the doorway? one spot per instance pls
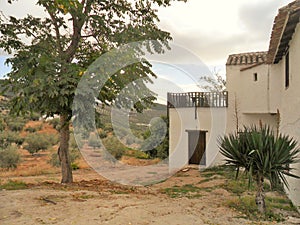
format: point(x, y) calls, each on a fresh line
point(197, 146)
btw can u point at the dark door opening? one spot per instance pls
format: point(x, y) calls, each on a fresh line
point(197, 146)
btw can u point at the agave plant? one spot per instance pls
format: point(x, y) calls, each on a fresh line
point(263, 155)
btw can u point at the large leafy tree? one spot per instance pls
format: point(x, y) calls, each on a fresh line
point(50, 54)
point(263, 155)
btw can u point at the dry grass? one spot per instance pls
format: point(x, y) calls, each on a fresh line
point(138, 162)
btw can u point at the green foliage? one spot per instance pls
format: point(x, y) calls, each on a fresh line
point(34, 116)
point(15, 124)
point(2, 124)
point(34, 128)
point(13, 185)
point(46, 67)
point(158, 129)
point(10, 137)
point(36, 142)
point(94, 141)
point(114, 147)
point(139, 154)
point(102, 133)
point(53, 139)
point(9, 157)
point(108, 127)
point(260, 152)
point(45, 74)
point(246, 206)
point(55, 123)
point(187, 190)
point(74, 166)
point(74, 155)
point(262, 155)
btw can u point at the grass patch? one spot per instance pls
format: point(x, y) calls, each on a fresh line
point(13, 185)
point(205, 180)
point(281, 203)
point(188, 190)
point(246, 206)
point(224, 171)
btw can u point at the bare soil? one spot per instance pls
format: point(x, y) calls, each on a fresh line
point(92, 199)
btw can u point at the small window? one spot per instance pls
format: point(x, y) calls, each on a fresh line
point(255, 76)
point(287, 70)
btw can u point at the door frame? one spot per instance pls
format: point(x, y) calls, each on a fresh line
point(199, 146)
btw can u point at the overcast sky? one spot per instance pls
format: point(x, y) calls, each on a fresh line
point(209, 29)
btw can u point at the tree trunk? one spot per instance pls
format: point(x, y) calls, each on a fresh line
point(63, 150)
point(260, 196)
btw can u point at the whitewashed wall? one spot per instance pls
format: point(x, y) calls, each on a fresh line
point(212, 120)
point(290, 106)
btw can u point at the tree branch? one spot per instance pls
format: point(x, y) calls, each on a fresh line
point(79, 19)
point(57, 33)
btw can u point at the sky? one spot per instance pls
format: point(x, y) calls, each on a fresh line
point(208, 30)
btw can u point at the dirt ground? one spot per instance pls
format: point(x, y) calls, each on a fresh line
point(95, 200)
point(92, 199)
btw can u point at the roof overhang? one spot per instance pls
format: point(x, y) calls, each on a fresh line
point(284, 27)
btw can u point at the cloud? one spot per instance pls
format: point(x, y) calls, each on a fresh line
point(214, 29)
point(257, 19)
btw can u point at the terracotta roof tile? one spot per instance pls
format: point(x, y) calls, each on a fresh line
point(250, 58)
point(284, 27)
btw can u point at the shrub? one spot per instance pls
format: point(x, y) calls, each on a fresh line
point(36, 142)
point(263, 155)
point(9, 137)
point(141, 155)
point(155, 136)
point(34, 129)
point(15, 126)
point(74, 166)
point(15, 123)
point(94, 141)
point(75, 143)
point(9, 157)
point(73, 153)
point(102, 133)
point(55, 123)
point(108, 127)
point(52, 138)
point(13, 185)
point(114, 147)
point(34, 116)
point(2, 124)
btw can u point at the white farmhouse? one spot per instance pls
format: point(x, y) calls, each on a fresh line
point(261, 87)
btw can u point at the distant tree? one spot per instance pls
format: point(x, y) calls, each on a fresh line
point(9, 157)
point(213, 83)
point(93, 141)
point(263, 155)
point(47, 67)
point(157, 140)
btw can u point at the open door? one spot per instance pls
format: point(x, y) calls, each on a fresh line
point(197, 146)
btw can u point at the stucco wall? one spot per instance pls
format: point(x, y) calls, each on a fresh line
point(212, 120)
point(260, 100)
point(290, 107)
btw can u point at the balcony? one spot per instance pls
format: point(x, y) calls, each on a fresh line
point(198, 99)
